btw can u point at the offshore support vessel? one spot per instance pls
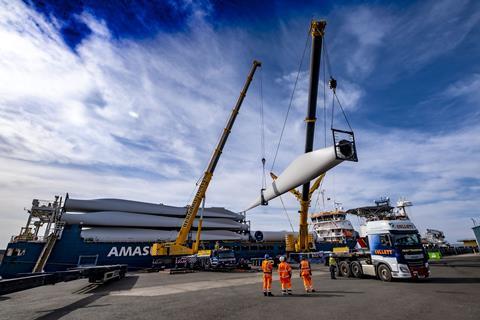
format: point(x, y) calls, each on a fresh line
point(333, 229)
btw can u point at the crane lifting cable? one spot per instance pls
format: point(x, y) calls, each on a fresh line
point(264, 202)
point(343, 139)
point(262, 141)
point(312, 163)
point(291, 101)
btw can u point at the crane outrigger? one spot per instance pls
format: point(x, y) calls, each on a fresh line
point(179, 246)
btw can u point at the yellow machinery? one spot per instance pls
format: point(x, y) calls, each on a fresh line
point(179, 247)
point(317, 31)
point(293, 244)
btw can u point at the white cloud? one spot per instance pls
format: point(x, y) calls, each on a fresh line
point(469, 88)
point(405, 37)
point(138, 120)
point(368, 27)
point(349, 93)
point(430, 29)
point(90, 122)
point(133, 114)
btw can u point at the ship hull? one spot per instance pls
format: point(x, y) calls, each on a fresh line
point(71, 250)
point(329, 246)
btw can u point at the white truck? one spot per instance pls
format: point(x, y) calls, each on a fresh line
point(393, 249)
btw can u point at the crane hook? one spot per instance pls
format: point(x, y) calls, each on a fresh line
point(332, 83)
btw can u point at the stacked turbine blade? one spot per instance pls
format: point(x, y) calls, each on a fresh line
point(125, 220)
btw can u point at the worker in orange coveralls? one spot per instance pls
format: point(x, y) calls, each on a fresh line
point(306, 274)
point(267, 268)
point(285, 273)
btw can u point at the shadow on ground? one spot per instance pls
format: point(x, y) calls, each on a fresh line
point(326, 294)
point(124, 284)
point(309, 295)
point(63, 311)
point(97, 291)
point(451, 280)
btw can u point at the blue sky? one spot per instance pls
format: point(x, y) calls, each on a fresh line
point(127, 99)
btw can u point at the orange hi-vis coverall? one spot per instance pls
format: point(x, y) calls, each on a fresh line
point(267, 268)
point(306, 274)
point(285, 273)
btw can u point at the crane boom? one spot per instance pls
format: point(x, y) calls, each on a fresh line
point(317, 31)
point(178, 247)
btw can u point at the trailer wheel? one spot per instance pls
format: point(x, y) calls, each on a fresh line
point(344, 269)
point(356, 269)
point(384, 273)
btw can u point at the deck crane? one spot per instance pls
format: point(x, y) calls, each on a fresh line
point(179, 246)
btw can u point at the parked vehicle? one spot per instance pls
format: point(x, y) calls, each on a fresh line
point(209, 260)
point(394, 251)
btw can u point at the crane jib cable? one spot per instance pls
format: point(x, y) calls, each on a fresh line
point(262, 142)
point(333, 86)
point(262, 133)
point(286, 213)
point(290, 103)
point(324, 95)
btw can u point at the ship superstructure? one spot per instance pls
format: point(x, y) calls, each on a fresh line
point(435, 238)
point(332, 226)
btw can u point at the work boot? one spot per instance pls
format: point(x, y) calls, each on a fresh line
point(265, 294)
point(284, 293)
point(313, 290)
point(270, 294)
point(290, 292)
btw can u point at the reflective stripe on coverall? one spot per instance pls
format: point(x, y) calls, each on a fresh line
point(267, 268)
point(285, 273)
point(306, 274)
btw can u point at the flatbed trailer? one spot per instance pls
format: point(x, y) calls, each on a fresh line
point(360, 264)
point(94, 274)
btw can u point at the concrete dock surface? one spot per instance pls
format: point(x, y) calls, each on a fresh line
point(452, 292)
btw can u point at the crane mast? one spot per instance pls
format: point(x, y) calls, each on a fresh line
point(317, 30)
point(179, 246)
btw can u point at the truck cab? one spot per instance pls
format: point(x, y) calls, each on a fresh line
point(396, 250)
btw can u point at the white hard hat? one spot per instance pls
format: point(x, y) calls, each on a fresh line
point(282, 258)
point(331, 255)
